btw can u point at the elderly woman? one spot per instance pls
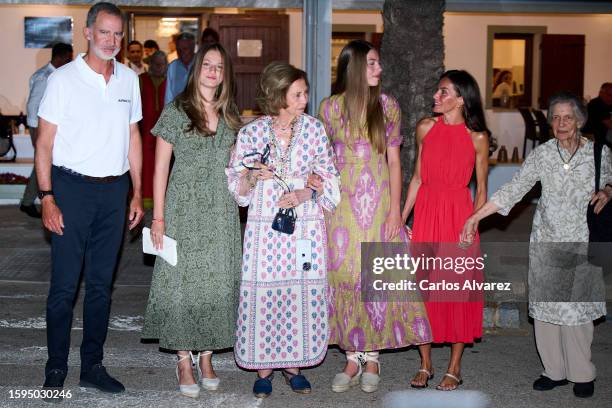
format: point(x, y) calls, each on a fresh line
point(282, 314)
point(565, 167)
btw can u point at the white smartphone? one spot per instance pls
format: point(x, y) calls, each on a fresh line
point(303, 255)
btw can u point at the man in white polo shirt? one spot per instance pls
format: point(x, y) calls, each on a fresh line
point(88, 142)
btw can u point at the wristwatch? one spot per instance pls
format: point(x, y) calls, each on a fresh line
point(42, 194)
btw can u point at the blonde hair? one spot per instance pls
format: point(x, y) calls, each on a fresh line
point(361, 102)
point(274, 83)
point(191, 99)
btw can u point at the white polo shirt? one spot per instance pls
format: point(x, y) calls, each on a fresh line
point(93, 118)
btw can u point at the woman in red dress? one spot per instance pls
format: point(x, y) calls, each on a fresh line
point(449, 146)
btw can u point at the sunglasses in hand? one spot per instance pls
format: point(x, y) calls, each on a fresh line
point(263, 158)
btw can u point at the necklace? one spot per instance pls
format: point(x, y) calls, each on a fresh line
point(566, 164)
point(285, 154)
point(290, 125)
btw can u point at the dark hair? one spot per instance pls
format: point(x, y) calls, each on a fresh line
point(209, 32)
point(61, 50)
point(580, 110)
point(466, 86)
point(605, 85)
point(190, 100)
point(158, 54)
point(109, 8)
point(184, 36)
point(151, 44)
point(134, 42)
point(361, 101)
point(274, 83)
point(500, 78)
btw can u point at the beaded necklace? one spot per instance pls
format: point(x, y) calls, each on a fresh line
point(285, 154)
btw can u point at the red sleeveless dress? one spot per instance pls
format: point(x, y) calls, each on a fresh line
point(443, 204)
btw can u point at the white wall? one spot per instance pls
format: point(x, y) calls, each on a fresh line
point(461, 29)
point(19, 62)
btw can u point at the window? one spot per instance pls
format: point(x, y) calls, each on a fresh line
point(511, 66)
point(512, 70)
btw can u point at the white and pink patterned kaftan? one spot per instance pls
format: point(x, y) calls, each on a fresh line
point(282, 313)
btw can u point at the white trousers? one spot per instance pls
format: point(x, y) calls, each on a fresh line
point(565, 351)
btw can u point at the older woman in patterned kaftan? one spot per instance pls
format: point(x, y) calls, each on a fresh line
point(282, 315)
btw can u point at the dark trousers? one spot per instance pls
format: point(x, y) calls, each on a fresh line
point(31, 190)
point(94, 219)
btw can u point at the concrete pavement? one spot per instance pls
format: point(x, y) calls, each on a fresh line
point(500, 368)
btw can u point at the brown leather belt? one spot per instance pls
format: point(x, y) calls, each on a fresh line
point(107, 179)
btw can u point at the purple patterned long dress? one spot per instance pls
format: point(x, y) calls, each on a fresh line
point(360, 217)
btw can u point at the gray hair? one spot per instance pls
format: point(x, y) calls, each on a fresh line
point(578, 107)
point(105, 7)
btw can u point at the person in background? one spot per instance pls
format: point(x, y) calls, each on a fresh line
point(364, 128)
point(193, 305)
point(178, 70)
point(503, 84)
point(61, 54)
point(87, 144)
point(150, 46)
point(172, 54)
point(565, 167)
point(134, 58)
point(152, 91)
point(599, 123)
point(209, 35)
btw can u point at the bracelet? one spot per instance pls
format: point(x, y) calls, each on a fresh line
point(158, 220)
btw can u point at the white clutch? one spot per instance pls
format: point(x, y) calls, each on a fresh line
point(168, 253)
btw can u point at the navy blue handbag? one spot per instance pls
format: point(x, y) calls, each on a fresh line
point(284, 221)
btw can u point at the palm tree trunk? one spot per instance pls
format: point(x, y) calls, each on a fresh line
point(412, 55)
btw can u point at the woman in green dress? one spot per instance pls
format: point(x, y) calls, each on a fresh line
point(192, 306)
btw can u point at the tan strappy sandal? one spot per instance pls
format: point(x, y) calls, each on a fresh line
point(452, 387)
point(429, 377)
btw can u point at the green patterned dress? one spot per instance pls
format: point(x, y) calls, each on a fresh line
point(192, 306)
